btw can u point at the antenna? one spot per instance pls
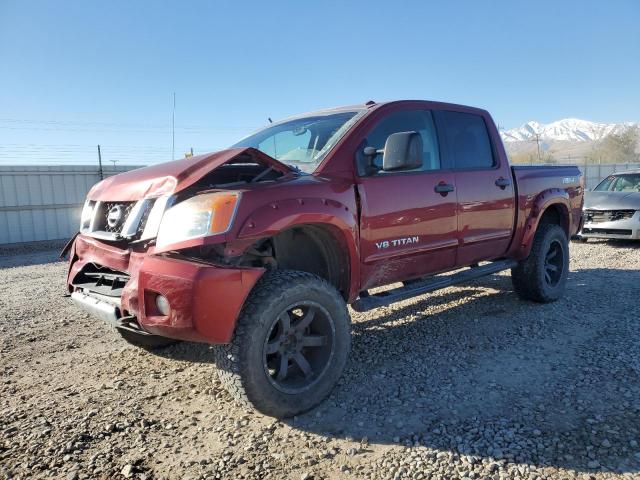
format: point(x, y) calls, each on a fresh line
point(173, 129)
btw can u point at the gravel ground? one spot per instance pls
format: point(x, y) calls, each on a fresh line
point(469, 382)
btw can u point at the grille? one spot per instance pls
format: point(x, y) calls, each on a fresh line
point(112, 216)
point(599, 216)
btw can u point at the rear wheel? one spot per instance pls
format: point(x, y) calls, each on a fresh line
point(148, 342)
point(542, 276)
point(290, 345)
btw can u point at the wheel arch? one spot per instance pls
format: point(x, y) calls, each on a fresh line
point(315, 248)
point(550, 207)
point(315, 235)
point(558, 214)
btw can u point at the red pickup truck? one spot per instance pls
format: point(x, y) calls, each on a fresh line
point(260, 248)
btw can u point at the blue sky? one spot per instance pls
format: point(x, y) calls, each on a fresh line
point(80, 73)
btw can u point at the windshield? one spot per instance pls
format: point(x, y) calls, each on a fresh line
point(304, 141)
point(629, 182)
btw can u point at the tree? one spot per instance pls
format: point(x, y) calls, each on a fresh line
point(620, 147)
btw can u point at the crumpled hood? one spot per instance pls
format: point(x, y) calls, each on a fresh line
point(168, 178)
point(612, 200)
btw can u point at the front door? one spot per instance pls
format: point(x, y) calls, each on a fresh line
point(408, 219)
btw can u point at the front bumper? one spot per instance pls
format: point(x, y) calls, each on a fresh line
point(204, 299)
point(627, 229)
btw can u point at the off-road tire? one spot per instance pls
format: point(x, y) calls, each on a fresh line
point(240, 364)
point(148, 342)
point(528, 276)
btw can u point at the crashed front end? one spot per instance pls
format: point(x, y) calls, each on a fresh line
point(156, 294)
point(611, 214)
point(621, 224)
point(131, 263)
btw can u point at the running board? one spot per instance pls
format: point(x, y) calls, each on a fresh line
point(381, 299)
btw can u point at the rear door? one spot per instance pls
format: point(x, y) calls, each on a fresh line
point(407, 228)
point(484, 186)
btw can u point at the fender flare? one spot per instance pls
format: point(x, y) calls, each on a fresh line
point(546, 199)
point(275, 217)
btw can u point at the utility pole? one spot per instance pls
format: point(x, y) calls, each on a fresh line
point(114, 163)
point(173, 129)
point(537, 140)
point(100, 163)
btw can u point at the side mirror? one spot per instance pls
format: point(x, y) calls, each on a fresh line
point(402, 151)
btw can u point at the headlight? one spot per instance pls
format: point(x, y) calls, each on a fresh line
point(86, 215)
point(200, 216)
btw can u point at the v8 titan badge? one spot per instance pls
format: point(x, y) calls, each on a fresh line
point(396, 242)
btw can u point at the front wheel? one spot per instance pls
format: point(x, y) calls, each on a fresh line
point(542, 276)
point(290, 344)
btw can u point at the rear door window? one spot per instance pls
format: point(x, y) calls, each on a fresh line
point(466, 138)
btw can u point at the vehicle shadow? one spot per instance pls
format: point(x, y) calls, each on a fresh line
point(203, 353)
point(474, 370)
point(617, 243)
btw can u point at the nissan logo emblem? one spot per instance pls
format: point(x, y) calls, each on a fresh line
point(114, 216)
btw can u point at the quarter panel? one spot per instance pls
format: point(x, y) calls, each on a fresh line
point(538, 188)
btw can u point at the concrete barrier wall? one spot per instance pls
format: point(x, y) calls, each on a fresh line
point(44, 202)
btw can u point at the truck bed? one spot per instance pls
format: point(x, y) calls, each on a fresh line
point(534, 181)
point(531, 179)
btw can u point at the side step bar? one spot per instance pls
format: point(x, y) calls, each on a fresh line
point(381, 299)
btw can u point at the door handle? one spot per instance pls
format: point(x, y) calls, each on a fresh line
point(443, 188)
point(503, 182)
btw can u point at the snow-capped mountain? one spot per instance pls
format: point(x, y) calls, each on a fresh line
point(569, 129)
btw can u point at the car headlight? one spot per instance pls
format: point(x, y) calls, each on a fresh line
point(199, 216)
point(86, 215)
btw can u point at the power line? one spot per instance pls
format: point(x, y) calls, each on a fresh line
point(122, 124)
point(75, 154)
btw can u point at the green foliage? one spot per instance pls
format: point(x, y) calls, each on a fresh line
point(531, 158)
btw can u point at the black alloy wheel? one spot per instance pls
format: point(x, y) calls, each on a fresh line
point(290, 344)
point(299, 347)
point(542, 276)
point(554, 263)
